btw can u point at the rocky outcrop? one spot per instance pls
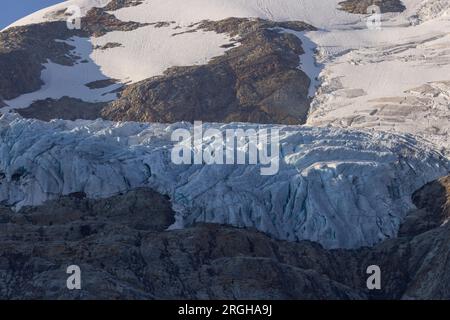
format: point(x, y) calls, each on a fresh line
point(98, 22)
point(256, 81)
point(23, 51)
point(124, 251)
point(65, 108)
point(321, 191)
point(433, 203)
point(361, 6)
point(119, 4)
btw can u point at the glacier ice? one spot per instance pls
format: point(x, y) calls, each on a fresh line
point(341, 188)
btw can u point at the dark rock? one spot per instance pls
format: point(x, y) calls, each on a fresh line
point(114, 5)
point(433, 203)
point(109, 45)
point(124, 252)
point(64, 108)
point(101, 83)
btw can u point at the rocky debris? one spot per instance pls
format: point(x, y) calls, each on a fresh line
point(429, 10)
point(125, 251)
point(64, 108)
point(413, 267)
point(361, 6)
point(256, 81)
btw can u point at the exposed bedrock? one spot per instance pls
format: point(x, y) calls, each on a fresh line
point(23, 51)
point(361, 6)
point(64, 108)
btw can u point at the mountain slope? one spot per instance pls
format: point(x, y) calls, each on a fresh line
point(339, 188)
point(363, 119)
point(391, 79)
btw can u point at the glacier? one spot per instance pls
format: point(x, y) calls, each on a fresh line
point(342, 188)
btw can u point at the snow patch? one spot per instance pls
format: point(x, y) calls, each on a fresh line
point(149, 51)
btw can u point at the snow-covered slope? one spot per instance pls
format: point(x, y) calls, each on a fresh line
point(388, 79)
point(318, 13)
point(340, 188)
point(150, 50)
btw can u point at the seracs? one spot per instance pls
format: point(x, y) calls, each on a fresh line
point(229, 147)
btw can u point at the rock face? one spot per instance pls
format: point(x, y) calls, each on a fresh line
point(433, 205)
point(23, 50)
point(124, 251)
point(361, 6)
point(416, 264)
point(257, 81)
point(106, 196)
point(64, 108)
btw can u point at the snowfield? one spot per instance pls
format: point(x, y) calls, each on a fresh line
point(391, 79)
point(341, 188)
